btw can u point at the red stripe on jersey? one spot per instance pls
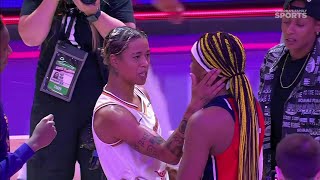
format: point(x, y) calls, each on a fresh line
point(228, 161)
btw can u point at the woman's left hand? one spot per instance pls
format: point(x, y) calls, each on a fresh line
point(205, 90)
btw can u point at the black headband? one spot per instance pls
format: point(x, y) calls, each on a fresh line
point(312, 7)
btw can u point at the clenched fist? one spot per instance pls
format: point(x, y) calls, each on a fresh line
point(43, 134)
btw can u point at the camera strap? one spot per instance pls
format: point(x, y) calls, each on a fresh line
point(66, 27)
point(66, 63)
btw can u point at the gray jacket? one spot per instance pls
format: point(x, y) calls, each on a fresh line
point(302, 108)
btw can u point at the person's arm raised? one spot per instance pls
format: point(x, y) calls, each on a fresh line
point(105, 23)
point(39, 21)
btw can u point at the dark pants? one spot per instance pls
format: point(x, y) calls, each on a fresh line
point(57, 161)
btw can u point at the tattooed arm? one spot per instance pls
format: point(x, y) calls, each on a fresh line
point(169, 151)
point(113, 123)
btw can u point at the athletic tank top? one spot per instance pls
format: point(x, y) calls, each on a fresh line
point(118, 160)
point(225, 165)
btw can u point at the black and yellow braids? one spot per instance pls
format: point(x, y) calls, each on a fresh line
point(225, 51)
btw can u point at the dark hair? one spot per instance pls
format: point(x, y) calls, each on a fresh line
point(117, 41)
point(298, 157)
point(225, 51)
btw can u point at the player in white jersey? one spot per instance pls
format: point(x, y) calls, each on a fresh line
point(125, 129)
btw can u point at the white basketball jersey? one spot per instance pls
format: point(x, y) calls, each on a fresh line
point(119, 161)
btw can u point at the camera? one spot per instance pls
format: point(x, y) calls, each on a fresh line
point(83, 1)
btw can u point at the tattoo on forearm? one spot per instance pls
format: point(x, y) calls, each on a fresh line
point(156, 140)
point(149, 142)
point(136, 147)
point(176, 141)
point(152, 150)
point(144, 138)
point(183, 126)
point(175, 145)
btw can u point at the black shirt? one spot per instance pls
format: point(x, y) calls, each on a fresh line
point(93, 74)
point(280, 96)
point(119, 9)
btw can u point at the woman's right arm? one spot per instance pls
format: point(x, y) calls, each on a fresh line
point(38, 20)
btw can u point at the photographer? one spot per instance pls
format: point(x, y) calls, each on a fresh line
point(69, 33)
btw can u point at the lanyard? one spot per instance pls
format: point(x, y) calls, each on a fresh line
point(66, 30)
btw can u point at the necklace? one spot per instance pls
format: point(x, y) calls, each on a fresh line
point(295, 79)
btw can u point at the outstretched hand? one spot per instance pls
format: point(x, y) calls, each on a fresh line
point(205, 90)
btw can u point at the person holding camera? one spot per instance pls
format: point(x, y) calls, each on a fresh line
point(69, 32)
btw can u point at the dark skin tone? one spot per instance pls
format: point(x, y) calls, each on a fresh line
point(299, 33)
point(5, 49)
point(204, 134)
